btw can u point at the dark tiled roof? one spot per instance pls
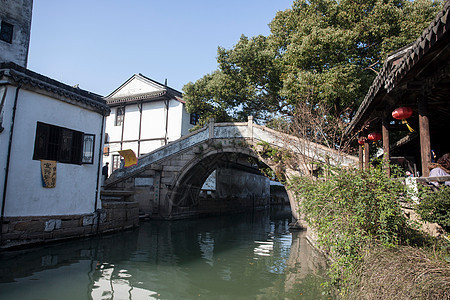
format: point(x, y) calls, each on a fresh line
point(391, 75)
point(138, 97)
point(31, 80)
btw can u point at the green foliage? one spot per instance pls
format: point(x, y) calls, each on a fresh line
point(275, 154)
point(217, 146)
point(434, 206)
point(319, 52)
point(351, 211)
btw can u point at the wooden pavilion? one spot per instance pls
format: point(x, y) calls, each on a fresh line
point(417, 77)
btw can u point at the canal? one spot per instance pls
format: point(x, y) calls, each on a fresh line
point(244, 256)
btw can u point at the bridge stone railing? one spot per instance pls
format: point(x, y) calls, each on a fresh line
point(244, 130)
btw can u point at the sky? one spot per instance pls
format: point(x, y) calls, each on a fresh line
point(99, 44)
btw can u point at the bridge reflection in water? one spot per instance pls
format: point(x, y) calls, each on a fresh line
point(246, 256)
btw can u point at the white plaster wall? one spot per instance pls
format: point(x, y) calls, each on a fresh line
point(75, 189)
point(175, 119)
point(114, 132)
point(135, 87)
point(131, 123)
point(6, 115)
point(153, 126)
point(153, 120)
point(186, 121)
point(149, 146)
point(113, 148)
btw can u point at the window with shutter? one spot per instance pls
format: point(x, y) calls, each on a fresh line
point(63, 145)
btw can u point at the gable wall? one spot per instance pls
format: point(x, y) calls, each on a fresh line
point(135, 87)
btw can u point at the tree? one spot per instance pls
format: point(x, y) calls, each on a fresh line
point(319, 53)
point(247, 83)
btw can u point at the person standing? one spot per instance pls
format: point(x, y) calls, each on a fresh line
point(105, 173)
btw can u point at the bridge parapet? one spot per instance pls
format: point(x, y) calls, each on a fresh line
point(243, 130)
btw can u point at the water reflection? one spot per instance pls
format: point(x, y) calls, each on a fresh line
point(249, 256)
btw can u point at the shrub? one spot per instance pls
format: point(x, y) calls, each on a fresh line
point(350, 212)
point(434, 206)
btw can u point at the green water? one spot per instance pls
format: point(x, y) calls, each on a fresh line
point(247, 256)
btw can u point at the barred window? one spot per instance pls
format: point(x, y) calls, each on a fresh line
point(115, 162)
point(63, 145)
point(120, 112)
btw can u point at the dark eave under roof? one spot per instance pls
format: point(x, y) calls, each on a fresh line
point(422, 71)
point(30, 80)
point(165, 93)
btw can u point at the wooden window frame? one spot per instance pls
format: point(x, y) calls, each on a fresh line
point(115, 162)
point(120, 113)
point(88, 149)
point(62, 144)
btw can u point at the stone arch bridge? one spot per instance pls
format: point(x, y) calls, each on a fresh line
point(167, 182)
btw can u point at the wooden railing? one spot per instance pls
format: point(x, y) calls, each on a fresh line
point(440, 179)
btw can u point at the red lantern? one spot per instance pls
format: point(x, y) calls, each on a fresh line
point(402, 113)
point(361, 140)
point(374, 136)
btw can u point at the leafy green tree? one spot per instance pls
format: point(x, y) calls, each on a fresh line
point(319, 53)
point(247, 83)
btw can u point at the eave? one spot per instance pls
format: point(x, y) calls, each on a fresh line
point(16, 75)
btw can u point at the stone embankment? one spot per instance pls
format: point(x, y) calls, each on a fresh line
point(25, 231)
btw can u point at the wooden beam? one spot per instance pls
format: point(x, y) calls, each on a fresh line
point(386, 147)
point(361, 157)
point(424, 131)
point(366, 154)
point(433, 179)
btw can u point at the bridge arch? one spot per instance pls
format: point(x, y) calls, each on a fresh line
point(183, 195)
point(180, 168)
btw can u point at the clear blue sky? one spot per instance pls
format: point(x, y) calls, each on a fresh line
point(99, 44)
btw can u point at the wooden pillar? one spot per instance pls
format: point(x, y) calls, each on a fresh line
point(366, 154)
point(123, 127)
point(386, 147)
point(425, 141)
point(140, 127)
point(361, 156)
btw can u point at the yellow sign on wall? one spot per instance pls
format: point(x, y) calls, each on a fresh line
point(129, 157)
point(48, 172)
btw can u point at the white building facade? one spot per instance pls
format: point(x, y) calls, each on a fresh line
point(43, 119)
point(145, 115)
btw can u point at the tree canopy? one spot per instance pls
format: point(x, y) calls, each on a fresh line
point(319, 52)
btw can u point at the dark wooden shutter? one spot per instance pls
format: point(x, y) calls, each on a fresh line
point(41, 141)
point(77, 147)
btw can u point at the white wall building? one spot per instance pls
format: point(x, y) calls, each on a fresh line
point(144, 116)
point(43, 119)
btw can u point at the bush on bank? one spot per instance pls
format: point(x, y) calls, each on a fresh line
point(434, 206)
point(355, 214)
